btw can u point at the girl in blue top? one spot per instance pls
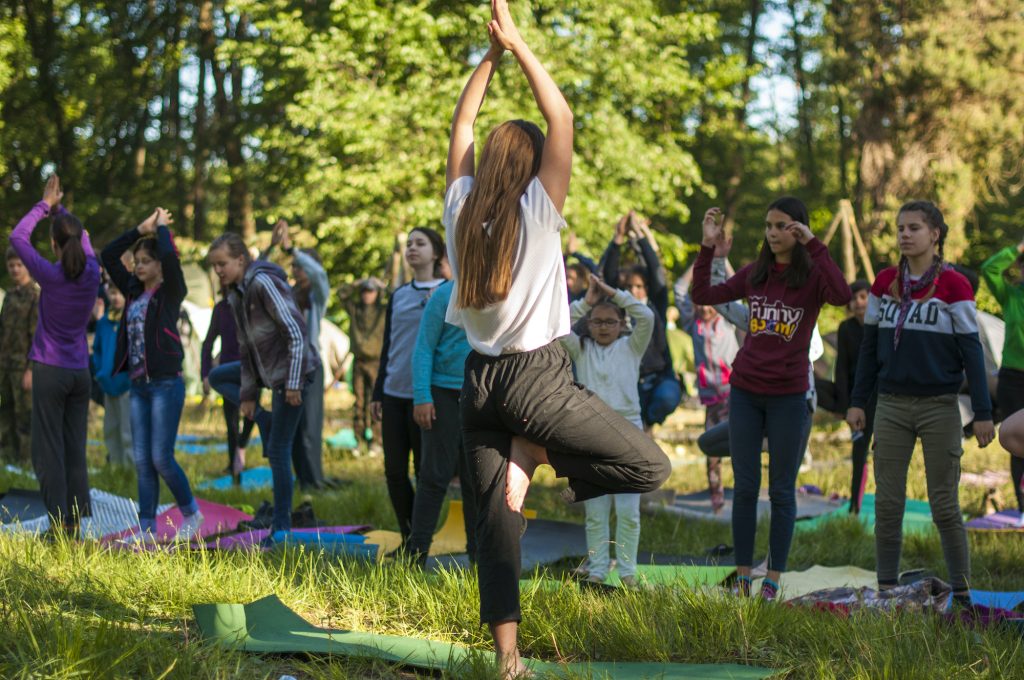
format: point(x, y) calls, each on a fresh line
point(438, 367)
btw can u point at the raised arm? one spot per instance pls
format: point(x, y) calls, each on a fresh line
point(174, 277)
point(643, 317)
point(992, 272)
point(21, 237)
point(702, 292)
point(111, 259)
point(556, 164)
point(461, 147)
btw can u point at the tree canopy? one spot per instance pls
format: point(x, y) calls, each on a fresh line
point(335, 114)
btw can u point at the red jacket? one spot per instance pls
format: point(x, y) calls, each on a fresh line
point(773, 359)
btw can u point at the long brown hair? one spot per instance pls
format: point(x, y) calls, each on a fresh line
point(510, 159)
point(66, 232)
point(800, 265)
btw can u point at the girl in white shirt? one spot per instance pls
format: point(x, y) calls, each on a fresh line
point(608, 363)
point(503, 223)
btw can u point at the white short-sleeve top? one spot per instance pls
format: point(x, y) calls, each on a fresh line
point(536, 311)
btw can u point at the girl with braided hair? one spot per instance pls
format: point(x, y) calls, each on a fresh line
point(920, 336)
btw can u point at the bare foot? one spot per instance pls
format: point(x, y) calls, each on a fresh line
point(522, 463)
point(511, 667)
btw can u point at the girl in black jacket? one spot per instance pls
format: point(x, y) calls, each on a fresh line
point(149, 349)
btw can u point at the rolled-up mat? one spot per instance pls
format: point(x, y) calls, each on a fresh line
point(268, 626)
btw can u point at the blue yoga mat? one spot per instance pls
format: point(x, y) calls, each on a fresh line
point(352, 545)
point(991, 598)
point(343, 439)
point(253, 478)
point(199, 449)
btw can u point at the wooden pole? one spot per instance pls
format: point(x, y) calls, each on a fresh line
point(847, 207)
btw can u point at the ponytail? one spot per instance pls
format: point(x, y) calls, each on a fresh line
point(66, 232)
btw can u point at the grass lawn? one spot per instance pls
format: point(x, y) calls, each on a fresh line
point(78, 610)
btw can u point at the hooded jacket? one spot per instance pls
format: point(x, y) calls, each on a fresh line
point(164, 353)
point(276, 351)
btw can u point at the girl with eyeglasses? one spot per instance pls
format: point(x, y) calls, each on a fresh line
point(608, 363)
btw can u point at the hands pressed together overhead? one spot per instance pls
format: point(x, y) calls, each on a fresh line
point(159, 216)
point(501, 29)
point(280, 236)
point(598, 290)
point(52, 192)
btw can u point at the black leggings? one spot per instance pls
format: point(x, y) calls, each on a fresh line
point(401, 434)
point(532, 394)
point(235, 440)
point(1010, 398)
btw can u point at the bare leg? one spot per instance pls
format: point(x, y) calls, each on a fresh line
point(510, 665)
point(522, 463)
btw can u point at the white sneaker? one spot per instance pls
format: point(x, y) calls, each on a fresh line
point(189, 529)
point(140, 537)
point(1020, 521)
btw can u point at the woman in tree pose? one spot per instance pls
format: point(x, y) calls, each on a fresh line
point(149, 350)
point(392, 403)
point(276, 353)
point(1004, 275)
point(920, 336)
point(520, 406)
point(792, 278)
point(60, 381)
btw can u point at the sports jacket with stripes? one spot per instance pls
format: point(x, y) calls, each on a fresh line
point(938, 344)
point(275, 348)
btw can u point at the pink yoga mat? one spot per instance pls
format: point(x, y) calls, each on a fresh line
point(246, 540)
point(219, 519)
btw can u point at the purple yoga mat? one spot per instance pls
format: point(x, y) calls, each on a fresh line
point(247, 540)
point(1004, 520)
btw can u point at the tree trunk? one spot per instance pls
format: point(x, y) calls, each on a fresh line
point(228, 109)
point(808, 167)
point(206, 46)
point(41, 30)
point(730, 199)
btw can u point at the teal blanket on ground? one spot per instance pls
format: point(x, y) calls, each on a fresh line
point(917, 517)
point(268, 626)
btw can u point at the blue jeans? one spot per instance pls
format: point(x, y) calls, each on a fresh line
point(277, 429)
point(156, 411)
point(783, 418)
point(660, 394)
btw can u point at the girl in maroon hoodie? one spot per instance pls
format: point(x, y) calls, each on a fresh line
point(785, 288)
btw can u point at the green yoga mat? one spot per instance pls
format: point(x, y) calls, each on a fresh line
point(684, 576)
point(268, 626)
point(917, 516)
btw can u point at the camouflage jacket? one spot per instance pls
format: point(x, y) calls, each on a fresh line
point(17, 326)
